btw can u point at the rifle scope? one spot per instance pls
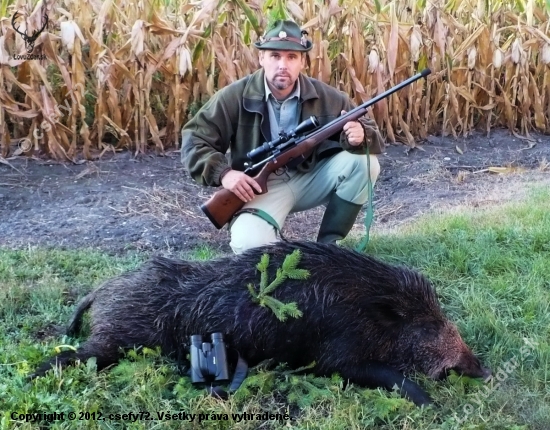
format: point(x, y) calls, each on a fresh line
point(262, 151)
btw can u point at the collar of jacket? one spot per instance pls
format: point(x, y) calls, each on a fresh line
point(254, 97)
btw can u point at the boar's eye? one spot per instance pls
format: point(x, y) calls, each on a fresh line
point(429, 330)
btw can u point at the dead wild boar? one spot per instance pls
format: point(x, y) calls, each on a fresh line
point(364, 319)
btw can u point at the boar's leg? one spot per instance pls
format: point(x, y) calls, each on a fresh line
point(105, 356)
point(386, 376)
point(374, 374)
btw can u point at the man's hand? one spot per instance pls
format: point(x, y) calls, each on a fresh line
point(354, 132)
point(241, 185)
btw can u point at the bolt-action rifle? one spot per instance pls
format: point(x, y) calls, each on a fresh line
point(273, 155)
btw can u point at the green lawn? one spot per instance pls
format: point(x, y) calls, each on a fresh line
point(492, 273)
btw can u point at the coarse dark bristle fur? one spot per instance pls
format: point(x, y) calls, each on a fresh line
point(362, 318)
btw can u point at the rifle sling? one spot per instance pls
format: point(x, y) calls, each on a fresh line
point(262, 214)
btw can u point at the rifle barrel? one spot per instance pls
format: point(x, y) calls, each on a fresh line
point(355, 113)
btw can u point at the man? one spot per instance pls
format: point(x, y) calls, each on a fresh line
point(251, 111)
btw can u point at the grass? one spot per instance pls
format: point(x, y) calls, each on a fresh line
point(492, 273)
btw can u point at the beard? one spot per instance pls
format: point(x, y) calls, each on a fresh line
point(282, 84)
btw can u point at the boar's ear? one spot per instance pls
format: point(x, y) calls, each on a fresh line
point(385, 310)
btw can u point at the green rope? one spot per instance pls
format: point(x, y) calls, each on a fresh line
point(369, 216)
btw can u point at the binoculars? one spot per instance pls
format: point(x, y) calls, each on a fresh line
point(208, 360)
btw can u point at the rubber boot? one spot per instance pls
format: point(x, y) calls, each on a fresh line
point(338, 219)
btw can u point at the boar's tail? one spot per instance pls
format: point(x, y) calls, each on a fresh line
point(74, 324)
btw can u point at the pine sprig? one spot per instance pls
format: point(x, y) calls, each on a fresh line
point(286, 271)
point(262, 267)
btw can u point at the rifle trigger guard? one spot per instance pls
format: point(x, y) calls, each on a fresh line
point(281, 170)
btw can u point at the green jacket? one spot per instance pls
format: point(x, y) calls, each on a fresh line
point(236, 119)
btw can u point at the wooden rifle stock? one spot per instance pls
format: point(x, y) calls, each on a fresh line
point(223, 204)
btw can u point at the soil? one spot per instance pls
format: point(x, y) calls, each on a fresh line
point(122, 203)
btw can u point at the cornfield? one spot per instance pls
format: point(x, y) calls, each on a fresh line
point(127, 75)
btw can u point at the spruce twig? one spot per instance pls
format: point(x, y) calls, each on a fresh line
point(287, 270)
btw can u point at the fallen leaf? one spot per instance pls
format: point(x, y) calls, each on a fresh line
point(530, 146)
point(500, 170)
point(7, 163)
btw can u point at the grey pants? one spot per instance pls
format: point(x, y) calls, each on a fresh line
point(291, 191)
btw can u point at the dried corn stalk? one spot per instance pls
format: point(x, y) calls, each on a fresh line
point(128, 75)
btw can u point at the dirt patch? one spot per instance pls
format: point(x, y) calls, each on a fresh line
point(122, 203)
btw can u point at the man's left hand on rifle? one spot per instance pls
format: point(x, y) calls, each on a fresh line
point(253, 110)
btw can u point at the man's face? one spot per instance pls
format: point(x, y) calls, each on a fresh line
point(282, 68)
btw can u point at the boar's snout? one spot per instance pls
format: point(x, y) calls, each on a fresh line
point(469, 365)
point(441, 350)
point(486, 373)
